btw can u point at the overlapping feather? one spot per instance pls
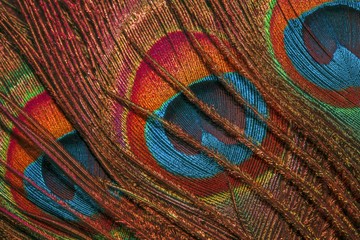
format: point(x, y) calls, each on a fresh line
point(178, 120)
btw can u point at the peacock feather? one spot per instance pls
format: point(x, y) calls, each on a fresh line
point(179, 119)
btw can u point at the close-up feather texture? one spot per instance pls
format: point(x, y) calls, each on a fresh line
point(179, 119)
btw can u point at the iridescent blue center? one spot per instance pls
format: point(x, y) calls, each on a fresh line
point(48, 176)
point(178, 157)
point(324, 45)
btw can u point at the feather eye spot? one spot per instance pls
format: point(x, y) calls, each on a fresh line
point(171, 157)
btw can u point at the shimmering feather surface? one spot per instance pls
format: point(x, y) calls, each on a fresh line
point(179, 119)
